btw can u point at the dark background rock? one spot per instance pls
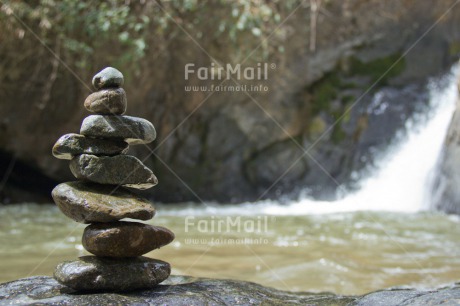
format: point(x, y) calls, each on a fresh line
point(445, 193)
point(229, 149)
point(185, 290)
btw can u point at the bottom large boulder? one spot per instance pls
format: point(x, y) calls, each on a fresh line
point(91, 273)
point(183, 290)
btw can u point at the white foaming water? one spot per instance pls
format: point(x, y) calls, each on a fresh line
point(399, 183)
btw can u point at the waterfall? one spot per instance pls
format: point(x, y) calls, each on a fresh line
point(400, 180)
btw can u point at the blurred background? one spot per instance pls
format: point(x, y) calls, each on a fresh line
point(229, 149)
point(352, 149)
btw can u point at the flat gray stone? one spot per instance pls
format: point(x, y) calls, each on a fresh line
point(132, 129)
point(124, 170)
point(91, 273)
point(88, 202)
point(187, 290)
point(70, 145)
point(124, 239)
point(108, 77)
point(111, 101)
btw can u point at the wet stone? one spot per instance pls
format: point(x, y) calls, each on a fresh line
point(125, 170)
point(91, 273)
point(88, 202)
point(70, 145)
point(124, 239)
point(111, 101)
point(132, 129)
point(108, 77)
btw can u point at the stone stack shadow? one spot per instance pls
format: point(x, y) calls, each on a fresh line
point(98, 160)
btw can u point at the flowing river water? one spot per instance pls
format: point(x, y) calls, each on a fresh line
point(378, 237)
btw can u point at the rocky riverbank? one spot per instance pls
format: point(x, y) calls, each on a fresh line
point(183, 290)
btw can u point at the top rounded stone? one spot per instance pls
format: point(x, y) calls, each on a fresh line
point(108, 78)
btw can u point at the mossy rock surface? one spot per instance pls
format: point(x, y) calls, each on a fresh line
point(380, 70)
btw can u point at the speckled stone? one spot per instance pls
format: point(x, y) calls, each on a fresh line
point(187, 290)
point(132, 129)
point(111, 101)
point(70, 145)
point(124, 239)
point(91, 273)
point(88, 202)
point(108, 77)
point(125, 170)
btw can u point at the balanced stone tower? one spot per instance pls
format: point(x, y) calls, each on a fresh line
point(98, 160)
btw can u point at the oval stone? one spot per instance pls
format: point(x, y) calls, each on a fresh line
point(111, 101)
point(91, 273)
point(124, 170)
point(70, 145)
point(108, 77)
point(124, 239)
point(88, 202)
point(132, 129)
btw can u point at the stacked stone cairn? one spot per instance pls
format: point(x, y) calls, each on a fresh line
point(98, 160)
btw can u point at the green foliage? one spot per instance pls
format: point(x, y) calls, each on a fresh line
point(330, 87)
point(324, 91)
point(317, 127)
point(338, 134)
point(454, 49)
point(81, 27)
point(124, 30)
point(241, 21)
point(380, 69)
point(346, 99)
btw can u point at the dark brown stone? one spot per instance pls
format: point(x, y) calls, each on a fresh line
point(111, 101)
point(124, 239)
point(91, 273)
